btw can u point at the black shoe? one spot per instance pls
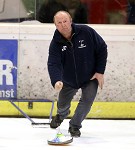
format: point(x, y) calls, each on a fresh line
point(75, 132)
point(56, 121)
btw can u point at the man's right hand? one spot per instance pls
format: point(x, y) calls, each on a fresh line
point(58, 85)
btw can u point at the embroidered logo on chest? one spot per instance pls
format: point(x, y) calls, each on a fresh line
point(64, 48)
point(82, 45)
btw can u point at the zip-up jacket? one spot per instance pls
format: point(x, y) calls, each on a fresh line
point(74, 62)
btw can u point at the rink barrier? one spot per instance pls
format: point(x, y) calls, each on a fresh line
point(99, 110)
point(31, 41)
point(16, 102)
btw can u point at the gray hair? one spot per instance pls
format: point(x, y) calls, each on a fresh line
point(62, 11)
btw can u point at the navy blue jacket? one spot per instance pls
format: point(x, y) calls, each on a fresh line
point(75, 62)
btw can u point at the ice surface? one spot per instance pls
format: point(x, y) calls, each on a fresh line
point(19, 134)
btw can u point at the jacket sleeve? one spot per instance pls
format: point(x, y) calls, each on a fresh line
point(54, 63)
point(100, 52)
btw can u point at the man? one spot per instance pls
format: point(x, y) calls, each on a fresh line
point(48, 10)
point(77, 59)
point(131, 15)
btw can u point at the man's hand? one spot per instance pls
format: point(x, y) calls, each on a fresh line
point(100, 78)
point(58, 85)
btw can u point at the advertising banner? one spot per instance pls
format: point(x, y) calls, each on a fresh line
point(8, 69)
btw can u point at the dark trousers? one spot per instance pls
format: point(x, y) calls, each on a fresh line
point(89, 91)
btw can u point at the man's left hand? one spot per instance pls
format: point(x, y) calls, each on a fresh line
point(100, 78)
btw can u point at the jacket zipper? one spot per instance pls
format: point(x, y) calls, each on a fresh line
point(74, 63)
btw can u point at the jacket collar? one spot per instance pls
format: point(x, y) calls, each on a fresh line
point(59, 38)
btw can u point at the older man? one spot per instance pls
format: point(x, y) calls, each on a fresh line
point(77, 60)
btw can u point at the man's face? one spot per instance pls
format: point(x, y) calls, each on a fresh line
point(63, 23)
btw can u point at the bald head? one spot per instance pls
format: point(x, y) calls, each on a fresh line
point(63, 21)
point(62, 13)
